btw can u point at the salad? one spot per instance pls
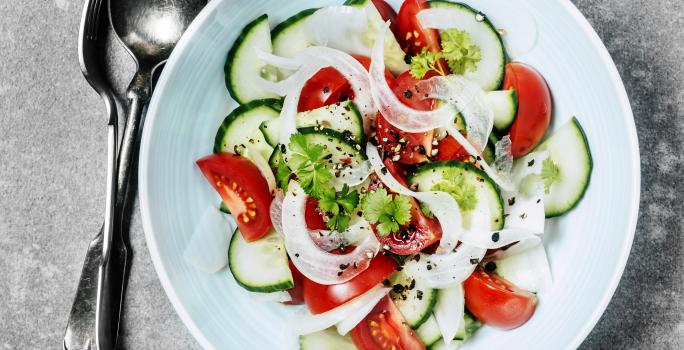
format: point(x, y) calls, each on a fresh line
point(393, 172)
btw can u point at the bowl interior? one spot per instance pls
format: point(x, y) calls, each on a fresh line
point(587, 248)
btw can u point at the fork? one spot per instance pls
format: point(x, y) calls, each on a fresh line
point(89, 326)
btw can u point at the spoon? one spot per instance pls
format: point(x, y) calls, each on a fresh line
point(149, 30)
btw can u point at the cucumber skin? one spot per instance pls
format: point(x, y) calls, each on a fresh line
point(272, 103)
point(426, 316)
point(282, 286)
point(467, 167)
point(234, 50)
point(486, 21)
point(590, 160)
point(282, 26)
point(337, 135)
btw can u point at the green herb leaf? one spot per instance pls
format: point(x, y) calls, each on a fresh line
point(307, 163)
point(456, 185)
point(426, 210)
point(458, 49)
point(424, 62)
point(388, 211)
point(338, 206)
point(282, 175)
point(549, 174)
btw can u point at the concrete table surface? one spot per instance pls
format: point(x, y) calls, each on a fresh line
point(52, 161)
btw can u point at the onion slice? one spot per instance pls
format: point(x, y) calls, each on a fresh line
point(441, 204)
point(331, 23)
point(529, 271)
point(397, 113)
point(449, 311)
point(316, 264)
point(305, 323)
point(450, 268)
point(263, 166)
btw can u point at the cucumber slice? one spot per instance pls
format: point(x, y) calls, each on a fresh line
point(429, 332)
point(413, 298)
point(490, 70)
point(292, 36)
point(394, 55)
point(469, 326)
point(569, 151)
point(260, 266)
point(342, 117)
point(243, 68)
point(327, 339)
point(224, 208)
point(337, 146)
point(240, 129)
point(429, 175)
point(504, 104)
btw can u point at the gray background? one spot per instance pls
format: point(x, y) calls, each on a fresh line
point(52, 150)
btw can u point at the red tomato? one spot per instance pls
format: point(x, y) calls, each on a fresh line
point(321, 298)
point(497, 302)
point(312, 216)
point(387, 13)
point(243, 189)
point(534, 107)
point(297, 291)
point(324, 88)
point(412, 36)
point(450, 149)
point(385, 329)
point(415, 147)
point(365, 62)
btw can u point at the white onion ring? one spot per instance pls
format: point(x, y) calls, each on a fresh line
point(316, 264)
point(449, 311)
point(397, 113)
point(305, 323)
point(276, 212)
point(264, 168)
point(450, 268)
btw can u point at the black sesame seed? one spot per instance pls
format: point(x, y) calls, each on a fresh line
point(419, 295)
point(386, 282)
point(530, 163)
point(296, 255)
point(490, 266)
point(397, 288)
point(326, 89)
point(495, 237)
point(343, 266)
point(511, 201)
point(408, 94)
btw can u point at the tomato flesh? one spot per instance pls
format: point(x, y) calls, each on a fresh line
point(243, 189)
point(321, 298)
point(312, 216)
point(412, 36)
point(326, 87)
point(387, 13)
point(534, 107)
point(384, 328)
point(497, 302)
point(449, 149)
point(297, 291)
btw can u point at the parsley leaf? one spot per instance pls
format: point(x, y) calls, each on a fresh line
point(282, 175)
point(389, 212)
point(424, 62)
point(456, 184)
point(306, 161)
point(338, 206)
point(461, 54)
point(549, 174)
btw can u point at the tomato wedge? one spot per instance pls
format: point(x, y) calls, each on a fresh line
point(497, 302)
point(321, 298)
point(449, 149)
point(412, 36)
point(534, 107)
point(243, 189)
point(387, 13)
point(385, 329)
point(312, 216)
point(326, 87)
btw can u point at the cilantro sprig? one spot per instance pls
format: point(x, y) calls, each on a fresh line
point(458, 50)
point(306, 161)
point(338, 206)
point(549, 174)
point(389, 212)
point(456, 184)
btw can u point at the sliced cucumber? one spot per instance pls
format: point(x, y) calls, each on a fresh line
point(488, 153)
point(469, 326)
point(327, 339)
point(260, 266)
point(569, 151)
point(490, 69)
point(224, 208)
point(292, 36)
point(394, 55)
point(413, 298)
point(337, 146)
point(243, 68)
point(342, 117)
point(240, 129)
point(429, 332)
point(429, 175)
point(504, 104)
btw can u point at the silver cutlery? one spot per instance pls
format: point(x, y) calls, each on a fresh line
point(83, 319)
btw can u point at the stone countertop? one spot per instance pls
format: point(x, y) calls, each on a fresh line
point(52, 147)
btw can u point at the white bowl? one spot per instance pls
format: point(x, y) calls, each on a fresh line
point(587, 248)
